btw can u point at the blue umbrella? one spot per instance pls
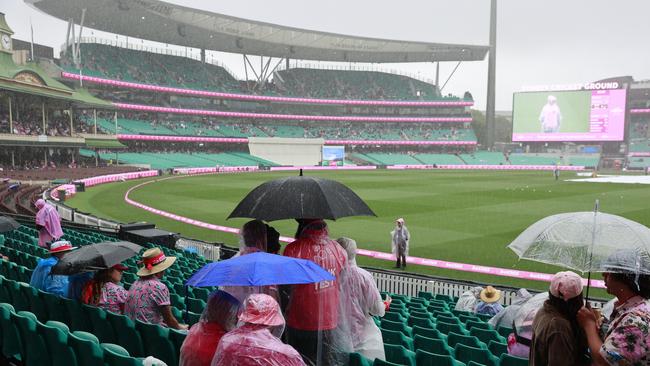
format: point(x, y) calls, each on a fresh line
point(259, 269)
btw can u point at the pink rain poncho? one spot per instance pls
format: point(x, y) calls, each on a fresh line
point(49, 223)
point(219, 317)
point(360, 301)
point(255, 343)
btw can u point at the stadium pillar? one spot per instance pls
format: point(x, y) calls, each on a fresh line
point(286, 63)
point(438, 75)
point(95, 115)
point(490, 104)
point(43, 115)
point(115, 118)
point(11, 118)
point(71, 124)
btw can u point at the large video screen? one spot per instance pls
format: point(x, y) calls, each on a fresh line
point(578, 115)
point(333, 155)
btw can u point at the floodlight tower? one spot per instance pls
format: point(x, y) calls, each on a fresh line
point(489, 107)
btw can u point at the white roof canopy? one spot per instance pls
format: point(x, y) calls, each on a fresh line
point(168, 23)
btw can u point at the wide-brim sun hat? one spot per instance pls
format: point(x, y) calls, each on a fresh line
point(154, 261)
point(61, 246)
point(261, 309)
point(490, 295)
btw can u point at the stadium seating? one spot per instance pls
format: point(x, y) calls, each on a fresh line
point(483, 158)
point(534, 159)
point(176, 160)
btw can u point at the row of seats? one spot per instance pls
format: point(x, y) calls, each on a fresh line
point(427, 325)
point(174, 160)
point(138, 338)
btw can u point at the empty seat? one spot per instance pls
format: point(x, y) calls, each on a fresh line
point(399, 355)
point(446, 328)
point(497, 349)
point(387, 324)
point(156, 342)
point(101, 327)
point(426, 332)
point(454, 338)
point(86, 348)
point(466, 354)
point(424, 358)
point(33, 349)
point(55, 335)
point(11, 347)
point(487, 335)
point(115, 355)
point(504, 331)
point(397, 338)
point(79, 319)
point(126, 334)
point(357, 359)
point(394, 317)
point(510, 360)
point(421, 322)
point(437, 346)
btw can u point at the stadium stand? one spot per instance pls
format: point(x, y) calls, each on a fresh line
point(534, 159)
point(414, 328)
point(349, 84)
point(174, 160)
point(130, 65)
point(483, 158)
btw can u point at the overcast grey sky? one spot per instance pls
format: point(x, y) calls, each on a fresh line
point(538, 42)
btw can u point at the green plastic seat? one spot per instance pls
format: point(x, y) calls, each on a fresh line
point(357, 359)
point(497, 349)
point(402, 327)
point(394, 317)
point(86, 347)
point(446, 298)
point(454, 338)
point(432, 345)
point(177, 338)
point(5, 296)
point(18, 300)
point(420, 300)
point(201, 293)
point(446, 328)
point(11, 347)
point(510, 360)
point(192, 318)
point(195, 305)
point(101, 327)
point(34, 351)
point(424, 358)
point(487, 335)
point(504, 331)
point(426, 332)
point(421, 322)
point(379, 362)
point(115, 355)
point(156, 342)
point(55, 308)
point(79, 319)
point(55, 335)
point(399, 355)
point(465, 318)
point(465, 353)
point(448, 319)
point(484, 317)
point(36, 304)
point(421, 313)
point(126, 334)
point(398, 338)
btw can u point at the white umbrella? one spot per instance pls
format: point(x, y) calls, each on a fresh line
point(587, 242)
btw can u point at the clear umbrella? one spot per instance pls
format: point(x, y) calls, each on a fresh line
point(587, 242)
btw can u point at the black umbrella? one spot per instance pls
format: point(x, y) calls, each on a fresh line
point(8, 224)
point(301, 198)
point(95, 257)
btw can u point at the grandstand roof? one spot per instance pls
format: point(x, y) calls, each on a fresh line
point(174, 24)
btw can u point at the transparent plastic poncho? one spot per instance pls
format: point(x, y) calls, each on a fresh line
point(254, 343)
point(468, 300)
point(315, 310)
point(218, 317)
point(361, 301)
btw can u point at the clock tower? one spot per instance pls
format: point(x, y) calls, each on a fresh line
point(5, 35)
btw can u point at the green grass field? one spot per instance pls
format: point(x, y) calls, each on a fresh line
point(459, 216)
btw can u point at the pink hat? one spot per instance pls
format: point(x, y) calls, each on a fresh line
point(261, 309)
point(566, 285)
